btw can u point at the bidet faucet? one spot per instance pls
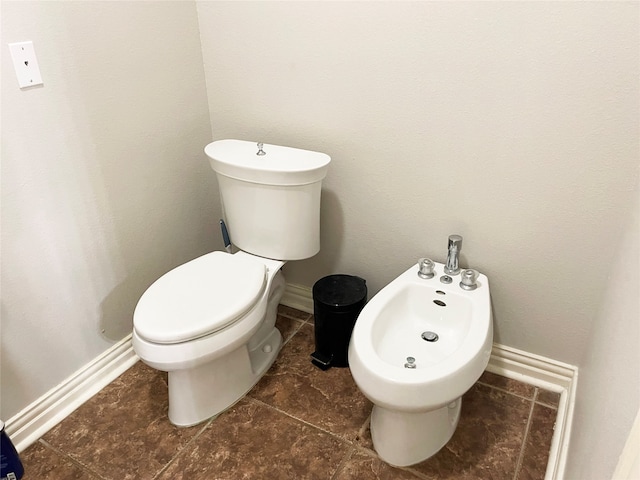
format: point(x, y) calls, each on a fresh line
point(454, 247)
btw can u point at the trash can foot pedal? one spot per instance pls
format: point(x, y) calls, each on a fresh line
point(321, 361)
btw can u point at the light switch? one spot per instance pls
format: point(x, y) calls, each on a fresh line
point(26, 64)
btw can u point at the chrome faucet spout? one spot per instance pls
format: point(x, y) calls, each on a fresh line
point(454, 247)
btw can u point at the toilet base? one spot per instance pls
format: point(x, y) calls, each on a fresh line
point(210, 374)
point(405, 438)
point(199, 393)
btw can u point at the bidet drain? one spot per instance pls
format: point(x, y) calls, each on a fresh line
point(430, 336)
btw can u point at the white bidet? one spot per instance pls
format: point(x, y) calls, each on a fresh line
point(416, 348)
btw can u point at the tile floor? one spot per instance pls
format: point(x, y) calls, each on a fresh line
point(298, 422)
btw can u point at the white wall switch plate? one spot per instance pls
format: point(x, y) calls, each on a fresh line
point(26, 64)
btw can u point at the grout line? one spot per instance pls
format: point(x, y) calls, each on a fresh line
point(544, 404)
point(373, 454)
point(345, 459)
point(547, 405)
point(306, 422)
point(525, 437)
point(354, 444)
point(264, 404)
point(301, 323)
point(284, 314)
point(70, 459)
point(357, 447)
point(530, 399)
point(364, 426)
point(417, 474)
point(186, 447)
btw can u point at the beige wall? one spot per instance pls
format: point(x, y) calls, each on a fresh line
point(104, 183)
point(609, 382)
point(513, 124)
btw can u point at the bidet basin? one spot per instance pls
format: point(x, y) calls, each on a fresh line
point(414, 310)
point(445, 330)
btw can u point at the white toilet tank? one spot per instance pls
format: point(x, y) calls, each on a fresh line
point(270, 196)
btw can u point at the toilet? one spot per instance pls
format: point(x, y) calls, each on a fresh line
point(416, 348)
point(210, 323)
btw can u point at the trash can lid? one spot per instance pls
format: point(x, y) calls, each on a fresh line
point(340, 290)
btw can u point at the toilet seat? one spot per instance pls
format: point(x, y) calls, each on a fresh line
point(199, 297)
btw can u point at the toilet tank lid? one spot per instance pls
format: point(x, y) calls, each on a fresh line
point(199, 298)
point(278, 166)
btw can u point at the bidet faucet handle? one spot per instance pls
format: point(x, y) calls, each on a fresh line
point(426, 268)
point(468, 279)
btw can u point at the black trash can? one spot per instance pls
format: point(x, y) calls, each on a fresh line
point(337, 302)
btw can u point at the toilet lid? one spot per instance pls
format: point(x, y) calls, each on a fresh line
point(199, 297)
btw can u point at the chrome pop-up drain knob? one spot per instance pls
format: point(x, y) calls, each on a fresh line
point(411, 363)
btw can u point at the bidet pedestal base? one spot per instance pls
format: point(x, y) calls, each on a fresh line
point(404, 438)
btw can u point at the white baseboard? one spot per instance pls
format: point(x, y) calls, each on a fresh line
point(511, 363)
point(28, 425)
point(298, 297)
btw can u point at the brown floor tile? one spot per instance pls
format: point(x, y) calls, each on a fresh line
point(124, 431)
point(488, 439)
point(293, 313)
point(538, 443)
point(366, 467)
point(328, 399)
point(254, 441)
point(364, 439)
point(551, 399)
point(507, 384)
point(42, 463)
point(287, 326)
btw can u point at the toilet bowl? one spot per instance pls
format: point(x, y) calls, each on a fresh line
point(210, 323)
point(225, 337)
point(416, 348)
